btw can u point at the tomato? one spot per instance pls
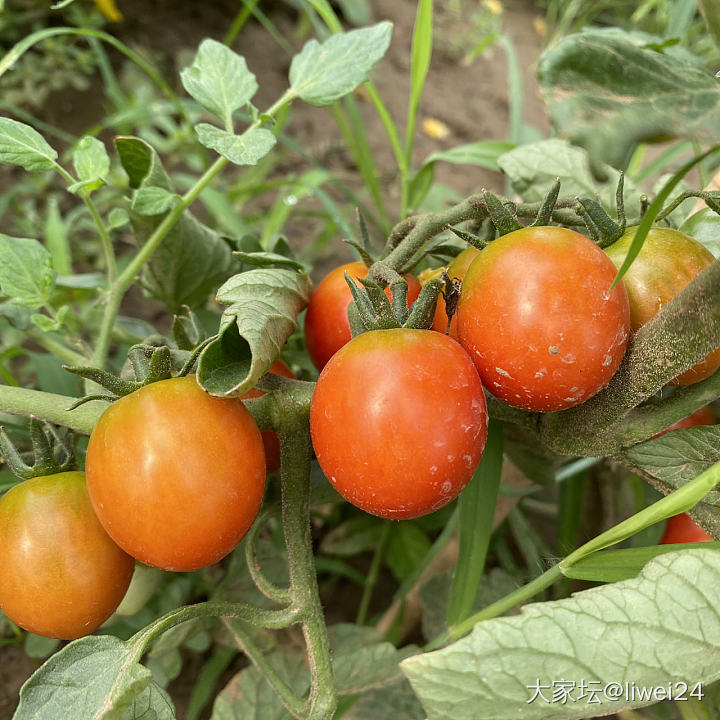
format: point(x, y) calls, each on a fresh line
point(667, 262)
point(175, 475)
point(270, 438)
point(537, 317)
point(683, 529)
point(62, 576)
point(456, 270)
point(399, 421)
point(327, 327)
point(704, 416)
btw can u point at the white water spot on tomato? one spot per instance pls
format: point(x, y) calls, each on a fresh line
point(553, 349)
point(332, 479)
point(433, 470)
point(607, 360)
point(468, 460)
point(568, 359)
point(569, 399)
point(574, 389)
point(605, 295)
point(503, 373)
point(539, 374)
point(446, 487)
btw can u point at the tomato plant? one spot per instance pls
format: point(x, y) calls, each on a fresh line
point(327, 327)
point(62, 575)
point(537, 317)
point(270, 438)
point(683, 529)
point(456, 271)
point(175, 475)
point(398, 421)
point(667, 262)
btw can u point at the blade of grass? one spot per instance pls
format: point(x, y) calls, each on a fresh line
point(572, 494)
point(373, 573)
point(477, 507)
point(239, 21)
point(211, 673)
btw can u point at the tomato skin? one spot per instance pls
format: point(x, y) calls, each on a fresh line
point(327, 327)
point(399, 421)
point(269, 437)
point(536, 316)
point(175, 475)
point(456, 269)
point(704, 416)
point(667, 262)
point(62, 575)
point(683, 529)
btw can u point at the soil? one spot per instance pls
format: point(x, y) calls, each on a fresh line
point(470, 101)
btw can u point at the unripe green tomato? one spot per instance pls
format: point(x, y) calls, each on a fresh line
point(667, 262)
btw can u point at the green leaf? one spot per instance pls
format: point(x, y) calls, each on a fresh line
point(118, 218)
point(152, 200)
point(97, 677)
point(264, 305)
point(37, 646)
point(615, 565)
point(704, 226)
point(26, 274)
point(396, 702)
point(56, 239)
point(606, 90)
point(322, 73)
point(22, 145)
point(534, 168)
point(92, 163)
point(269, 259)
point(406, 549)
point(245, 149)
point(660, 628)
point(192, 260)
point(679, 456)
point(352, 537)
point(219, 80)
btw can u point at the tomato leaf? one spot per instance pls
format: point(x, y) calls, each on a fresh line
point(92, 163)
point(22, 145)
point(352, 537)
point(264, 305)
point(607, 90)
point(245, 149)
point(192, 260)
point(658, 628)
point(406, 549)
point(99, 675)
point(219, 80)
point(396, 702)
point(26, 274)
point(323, 72)
point(704, 226)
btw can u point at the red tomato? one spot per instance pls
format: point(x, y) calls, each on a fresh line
point(703, 416)
point(683, 529)
point(327, 327)
point(537, 317)
point(175, 475)
point(399, 422)
point(62, 576)
point(269, 437)
point(456, 270)
point(668, 261)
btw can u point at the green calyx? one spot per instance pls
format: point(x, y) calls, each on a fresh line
point(52, 452)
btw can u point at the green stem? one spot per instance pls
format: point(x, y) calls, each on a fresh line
point(266, 587)
point(60, 350)
point(104, 238)
point(296, 455)
point(373, 573)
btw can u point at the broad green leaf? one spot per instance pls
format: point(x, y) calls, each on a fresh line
point(396, 702)
point(152, 200)
point(92, 163)
point(22, 145)
point(406, 548)
point(616, 565)
point(679, 456)
point(117, 218)
point(37, 646)
point(269, 259)
point(704, 226)
point(95, 677)
point(352, 537)
point(608, 90)
point(192, 260)
point(219, 80)
point(26, 274)
point(245, 149)
point(659, 628)
point(264, 305)
point(324, 72)
point(534, 168)
point(356, 12)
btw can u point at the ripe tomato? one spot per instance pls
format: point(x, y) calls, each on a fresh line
point(399, 421)
point(537, 317)
point(683, 529)
point(327, 327)
point(62, 576)
point(668, 261)
point(457, 269)
point(175, 475)
point(270, 438)
point(703, 416)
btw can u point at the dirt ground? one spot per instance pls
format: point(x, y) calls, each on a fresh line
point(471, 101)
